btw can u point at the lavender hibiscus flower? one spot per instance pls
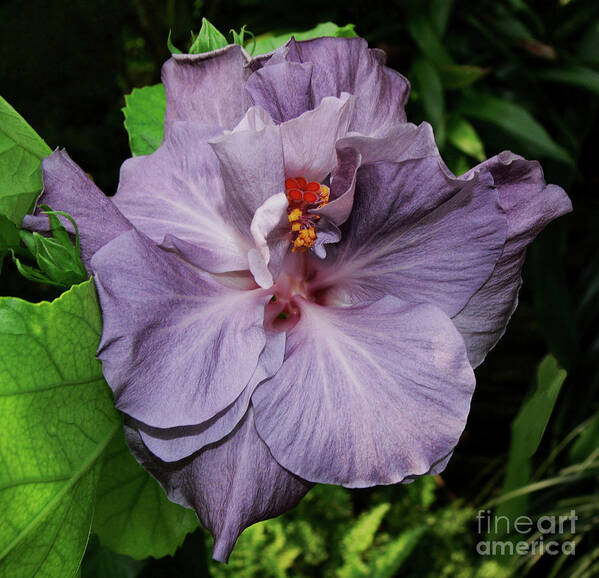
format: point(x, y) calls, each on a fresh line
point(295, 289)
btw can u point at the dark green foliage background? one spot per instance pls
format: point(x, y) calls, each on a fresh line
point(65, 66)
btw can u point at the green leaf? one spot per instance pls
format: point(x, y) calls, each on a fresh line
point(59, 418)
point(100, 562)
point(271, 41)
point(515, 120)
point(208, 39)
point(358, 539)
point(587, 442)
point(425, 37)
point(144, 118)
point(430, 92)
point(460, 75)
point(573, 75)
point(21, 152)
point(527, 430)
point(133, 515)
point(440, 12)
point(388, 562)
point(171, 47)
point(9, 237)
point(461, 134)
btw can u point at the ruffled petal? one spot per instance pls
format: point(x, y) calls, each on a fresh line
point(367, 395)
point(309, 140)
point(177, 347)
point(252, 167)
point(530, 204)
point(67, 188)
point(337, 65)
point(176, 197)
point(442, 256)
point(207, 88)
point(176, 443)
point(231, 485)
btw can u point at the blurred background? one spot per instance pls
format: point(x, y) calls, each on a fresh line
point(489, 75)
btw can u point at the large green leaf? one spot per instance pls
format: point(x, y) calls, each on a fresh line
point(270, 41)
point(144, 118)
point(57, 419)
point(21, 152)
point(515, 120)
point(461, 134)
point(424, 35)
point(133, 515)
point(9, 237)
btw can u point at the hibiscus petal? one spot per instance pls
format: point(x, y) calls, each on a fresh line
point(67, 188)
point(176, 443)
point(208, 88)
point(443, 257)
point(530, 204)
point(367, 394)
point(176, 197)
point(231, 485)
point(402, 143)
point(338, 65)
point(251, 163)
point(177, 347)
point(309, 140)
point(282, 89)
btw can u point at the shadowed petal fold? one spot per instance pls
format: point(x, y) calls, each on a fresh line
point(67, 188)
point(530, 204)
point(442, 256)
point(231, 485)
point(337, 65)
point(177, 347)
point(176, 443)
point(367, 394)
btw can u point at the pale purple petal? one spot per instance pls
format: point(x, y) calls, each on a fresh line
point(309, 140)
point(176, 443)
point(231, 485)
point(252, 168)
point(67, 188)
point(207, 88)
point(530, 204)
point(270, 232)
point(177, 347)
point(367, 394)
point(176, 197)
point(442, 258)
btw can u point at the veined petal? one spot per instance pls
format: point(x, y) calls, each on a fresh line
point(176, 197)
point(67, 188)
point(231, 485)
point(337, 65)
point(177, 347)
point(309, 140)
point(176, 443)
point(530, 204)
point(207, 88)
point(282, 89)
point(443, 257)
point(252, 167)
point(368, 394)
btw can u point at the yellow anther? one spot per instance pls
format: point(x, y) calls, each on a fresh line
point(324, 195)
point(296, 226)
point(295, 215)
point(304, 240)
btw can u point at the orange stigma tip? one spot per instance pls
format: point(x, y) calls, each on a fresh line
point(290, 184)
point(301, 182)
point(313, 186)
point(295, 194)
point(310, 197)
